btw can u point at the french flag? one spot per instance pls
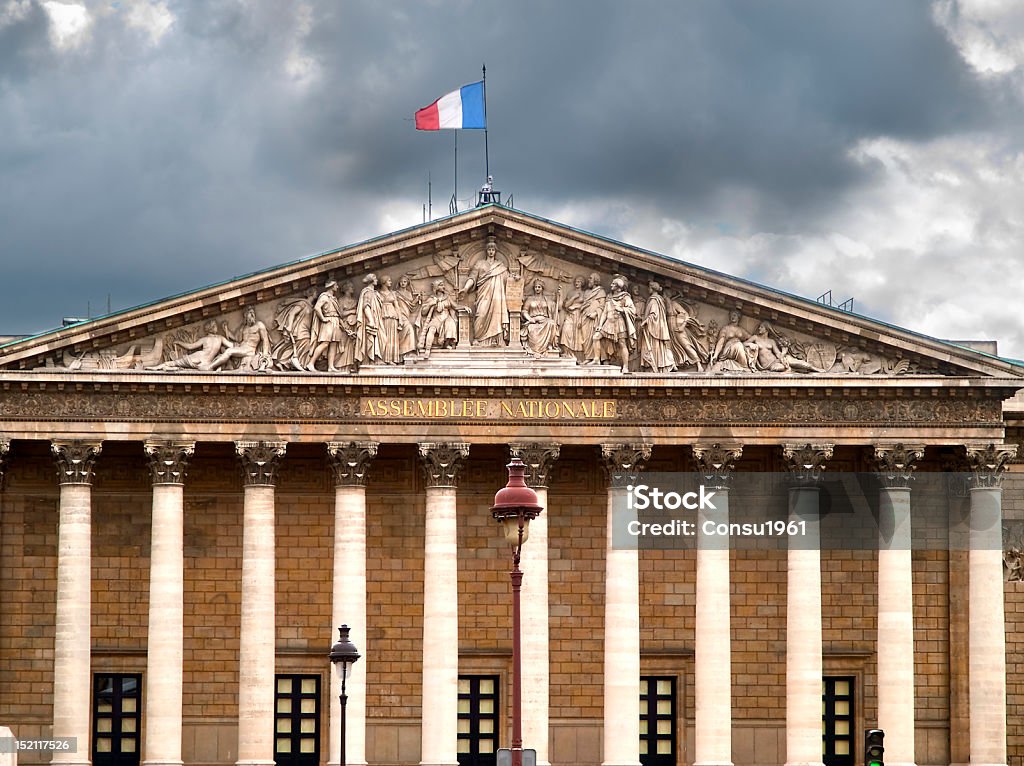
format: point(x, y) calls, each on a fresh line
point(460, 109)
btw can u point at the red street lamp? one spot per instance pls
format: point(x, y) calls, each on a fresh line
point(515, 505)
point(343, 654)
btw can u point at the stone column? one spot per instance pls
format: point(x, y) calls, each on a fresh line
point(167, 463)
point(350, 462)
point(986, 625)
point(539, 460)
point(712, 637)
point(439, 735)
point(72, 678)
point(256, 656)
point(621, 733)
point(896, 602)
point(805, 463)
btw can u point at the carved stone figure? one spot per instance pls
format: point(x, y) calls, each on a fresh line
point(203, 352)
point(489, 278)
point(326, 328)
point(856, 360)
point(790, 362)
point(369, 318)
point(294, 318)
point(409, 303)
point(539, 327)
point(570, 337)
point(440, 323)
point(763, 352)
point(250, 344)
point(686, 334)
point(655, 336)
point(729, 353)
point(396, 337)
point(615, 331)
point(1013, 565)
point(593, 307)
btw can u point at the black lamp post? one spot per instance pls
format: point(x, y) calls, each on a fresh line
point(515, 505)
point(343, 655)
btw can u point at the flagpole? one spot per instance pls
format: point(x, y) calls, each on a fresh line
point(487, 156)
point(455, 195)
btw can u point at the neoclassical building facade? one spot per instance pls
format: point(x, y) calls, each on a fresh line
point(196, 493)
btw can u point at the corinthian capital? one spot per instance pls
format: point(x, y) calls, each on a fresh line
point(260, 461)
point(539, 460)
point(168, 460)
point(441, 462)
point(715, 462)
point(806, 462)
point(896, 463)
point(624, 462)
point(350, 462)
point(987, 464)
point(75, 460)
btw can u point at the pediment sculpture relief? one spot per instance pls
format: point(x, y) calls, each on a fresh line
point(487, 297)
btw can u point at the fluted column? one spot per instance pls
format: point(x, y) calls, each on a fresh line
point(986, 624)
point(441, 464)
point(805, 462)
point(167, 464)
point(256, 656)
point(621, 733)
point(72, 686)
point(350, 463)
point(539, 460)
point(712, 636)
point(896, 602)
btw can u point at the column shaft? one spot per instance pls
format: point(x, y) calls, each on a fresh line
point(621, 648)
point(257, 650)
point(349, 608)
point(896, 627)
point(72, 687)
point(536, 670)
point(440, 630)
point(803, 635)
point(986, 629)
point(166, 632)
point(712, 642)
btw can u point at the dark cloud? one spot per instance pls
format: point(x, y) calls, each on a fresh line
point(252, 135)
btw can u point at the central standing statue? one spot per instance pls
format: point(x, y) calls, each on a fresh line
point(490, 317)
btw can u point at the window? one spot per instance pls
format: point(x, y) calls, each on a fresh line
point(657, 721)
point(297, 720)
point(837, 720)
point(478, 720)
point(116, 712)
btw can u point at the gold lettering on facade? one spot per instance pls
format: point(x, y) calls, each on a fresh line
point(483, 409)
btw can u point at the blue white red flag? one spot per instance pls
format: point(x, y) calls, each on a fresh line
point(460, 109)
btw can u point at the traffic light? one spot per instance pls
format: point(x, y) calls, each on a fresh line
point(873, 748)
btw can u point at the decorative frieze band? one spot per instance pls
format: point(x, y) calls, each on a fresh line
point(624, 462)
point(260, 461)
point(987, 464)
point(715, 462)
point(75, 460)
point(350, 462)
point(168, 460)
point(539, 460)
point(441, 462)
point(896, 463)
point(806, 462)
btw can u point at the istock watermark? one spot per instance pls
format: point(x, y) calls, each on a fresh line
point(841, 511)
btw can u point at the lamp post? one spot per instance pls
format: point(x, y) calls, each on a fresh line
point(343, 655)
point(515, 505)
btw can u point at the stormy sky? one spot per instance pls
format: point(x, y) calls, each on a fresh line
point(868, 147)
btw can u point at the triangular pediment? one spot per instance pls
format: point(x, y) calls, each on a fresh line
point(542, 297)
